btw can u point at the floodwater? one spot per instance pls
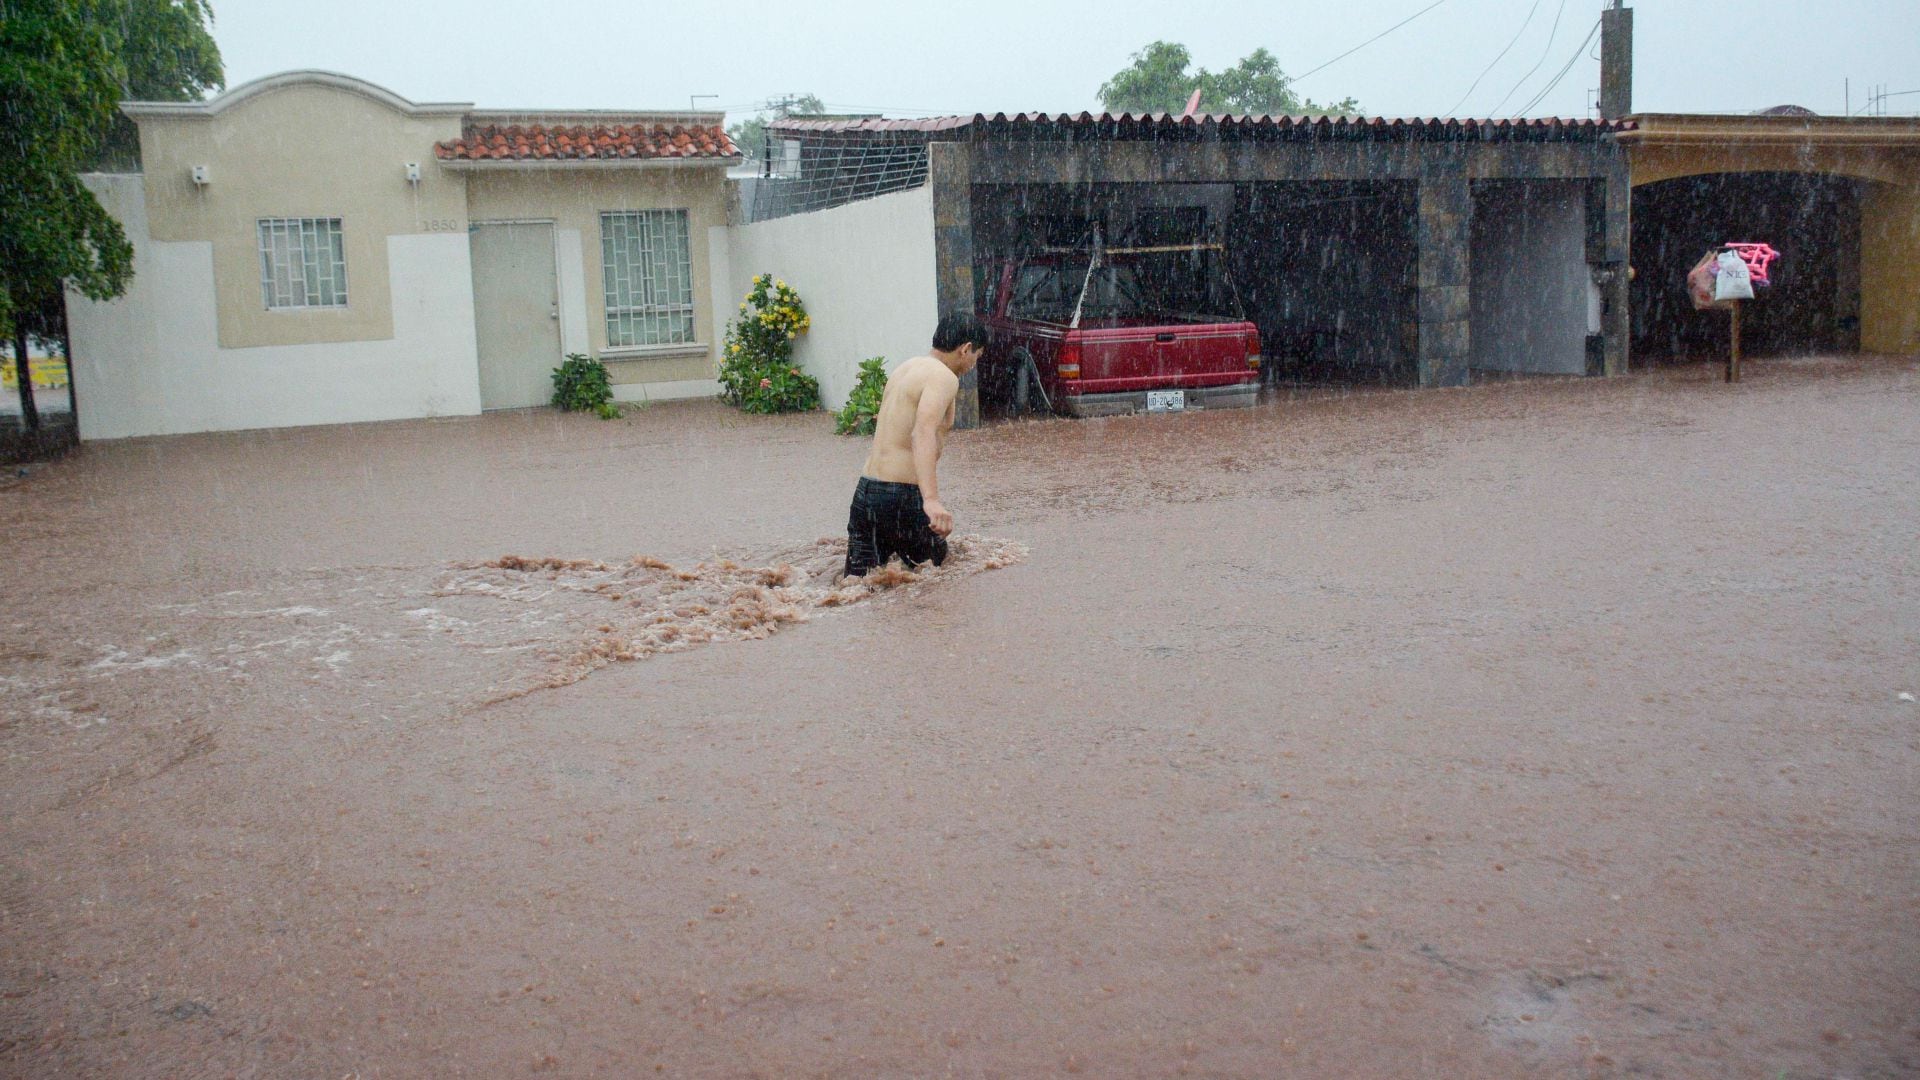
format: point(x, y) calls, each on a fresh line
point(1547, 728)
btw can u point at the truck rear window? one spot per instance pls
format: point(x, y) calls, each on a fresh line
point(1177, 286)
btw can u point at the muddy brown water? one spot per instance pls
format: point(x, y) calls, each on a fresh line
point(1550, 728)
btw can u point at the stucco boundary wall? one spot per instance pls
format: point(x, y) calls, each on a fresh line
point(150, 362)
point(865, 272)
point(1890, 268)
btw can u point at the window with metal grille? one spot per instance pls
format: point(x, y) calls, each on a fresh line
point(303, 263)
point(647, 269)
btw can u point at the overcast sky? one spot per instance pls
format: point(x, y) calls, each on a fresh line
point(906, 59)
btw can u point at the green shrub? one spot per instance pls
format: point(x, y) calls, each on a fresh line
point(757, 372)
point(581, 385)
point(856, 416)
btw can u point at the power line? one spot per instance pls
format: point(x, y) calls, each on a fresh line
point(1877, 99)
point(1369, 41)
point(1574, 59)
point(1561, 74)
point(1551, 35)
point(1524, 23)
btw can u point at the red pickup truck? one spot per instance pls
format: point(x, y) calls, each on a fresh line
point(1114, 330)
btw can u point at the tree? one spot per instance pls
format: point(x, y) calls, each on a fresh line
point(750, 135)
point(46, 323)
point(64, 66)
point(1158, 81)
point(60, 76)
point(170, 55)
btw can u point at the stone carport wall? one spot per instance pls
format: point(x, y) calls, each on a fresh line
point(1444, 161)
point(950, 175)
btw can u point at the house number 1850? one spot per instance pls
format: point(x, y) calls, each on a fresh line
point(446, 225)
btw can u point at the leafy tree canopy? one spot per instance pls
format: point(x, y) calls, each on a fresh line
point(1158, 80)
point(168, 48)
point(64, 66)
point(170, 55)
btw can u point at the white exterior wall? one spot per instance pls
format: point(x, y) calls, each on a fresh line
point(676, 390)
point(1531, 287)
point(865, 272)
point(150, 363)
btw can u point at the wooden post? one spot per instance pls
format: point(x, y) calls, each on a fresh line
point(1733, 357)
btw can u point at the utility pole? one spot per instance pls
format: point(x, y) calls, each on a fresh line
point(783, 105)
point(1616, 61)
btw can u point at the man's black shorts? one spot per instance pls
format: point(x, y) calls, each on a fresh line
point(888, 519)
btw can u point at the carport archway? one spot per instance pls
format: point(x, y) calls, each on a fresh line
point(1814, 302)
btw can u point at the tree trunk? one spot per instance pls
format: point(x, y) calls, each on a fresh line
point(66, 356)
point(29, 416)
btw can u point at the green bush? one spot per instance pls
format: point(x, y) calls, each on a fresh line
point(856, 416)
point(581, 385)
point(757, 372)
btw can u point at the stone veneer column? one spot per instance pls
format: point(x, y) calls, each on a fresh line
point(950, 172)
point(1617, 323)
point(1445, 230)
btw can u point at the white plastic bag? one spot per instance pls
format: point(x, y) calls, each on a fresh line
point(1731, 279)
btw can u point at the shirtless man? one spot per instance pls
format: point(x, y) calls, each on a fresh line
point(896, 506)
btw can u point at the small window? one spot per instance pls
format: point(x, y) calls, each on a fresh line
point(646, 268)
point(303, 263)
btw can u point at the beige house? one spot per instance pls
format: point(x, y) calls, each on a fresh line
point(311, 248)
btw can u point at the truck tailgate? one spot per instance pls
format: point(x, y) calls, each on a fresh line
point(1145, 358)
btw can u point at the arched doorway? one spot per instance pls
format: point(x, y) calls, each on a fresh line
point(1813, 305)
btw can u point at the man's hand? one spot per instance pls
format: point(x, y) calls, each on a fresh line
point(938, 517)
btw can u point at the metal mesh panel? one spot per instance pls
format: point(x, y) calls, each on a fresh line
point(303, 263)
point(818, 170)
point(646, 266)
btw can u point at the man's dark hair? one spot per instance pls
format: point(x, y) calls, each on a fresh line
point(959, 329)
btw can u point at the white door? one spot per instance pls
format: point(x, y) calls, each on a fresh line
point(516, 313)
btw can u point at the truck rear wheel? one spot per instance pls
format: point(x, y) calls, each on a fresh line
point(1026, 383)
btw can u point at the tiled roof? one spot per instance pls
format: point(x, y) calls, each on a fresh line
point(587, 142)
point(1135, 122)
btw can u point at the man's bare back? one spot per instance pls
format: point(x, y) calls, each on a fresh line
point(896, 505)
point(917, 382)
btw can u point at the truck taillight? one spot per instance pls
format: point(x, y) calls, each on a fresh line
point(1253, 350)
point(1253, 362)
point(1069, 362)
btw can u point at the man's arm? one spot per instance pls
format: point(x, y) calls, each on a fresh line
point(935, 398)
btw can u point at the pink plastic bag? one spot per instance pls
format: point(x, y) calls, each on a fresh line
point(1700, 282)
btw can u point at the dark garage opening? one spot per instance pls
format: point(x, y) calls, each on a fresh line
point(1329, 272)
point(1012, 221)
point(1813, 304)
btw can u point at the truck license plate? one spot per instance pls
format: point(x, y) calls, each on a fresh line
point(1166, 400)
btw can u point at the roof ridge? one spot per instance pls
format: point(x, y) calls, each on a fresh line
point(1228, 120)
point(646, 140)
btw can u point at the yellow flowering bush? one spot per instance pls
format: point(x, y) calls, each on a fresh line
point(757, 372)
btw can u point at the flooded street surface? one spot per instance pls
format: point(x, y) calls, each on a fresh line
point(1550, 728)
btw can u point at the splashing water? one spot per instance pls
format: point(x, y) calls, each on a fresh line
point(646, 606)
